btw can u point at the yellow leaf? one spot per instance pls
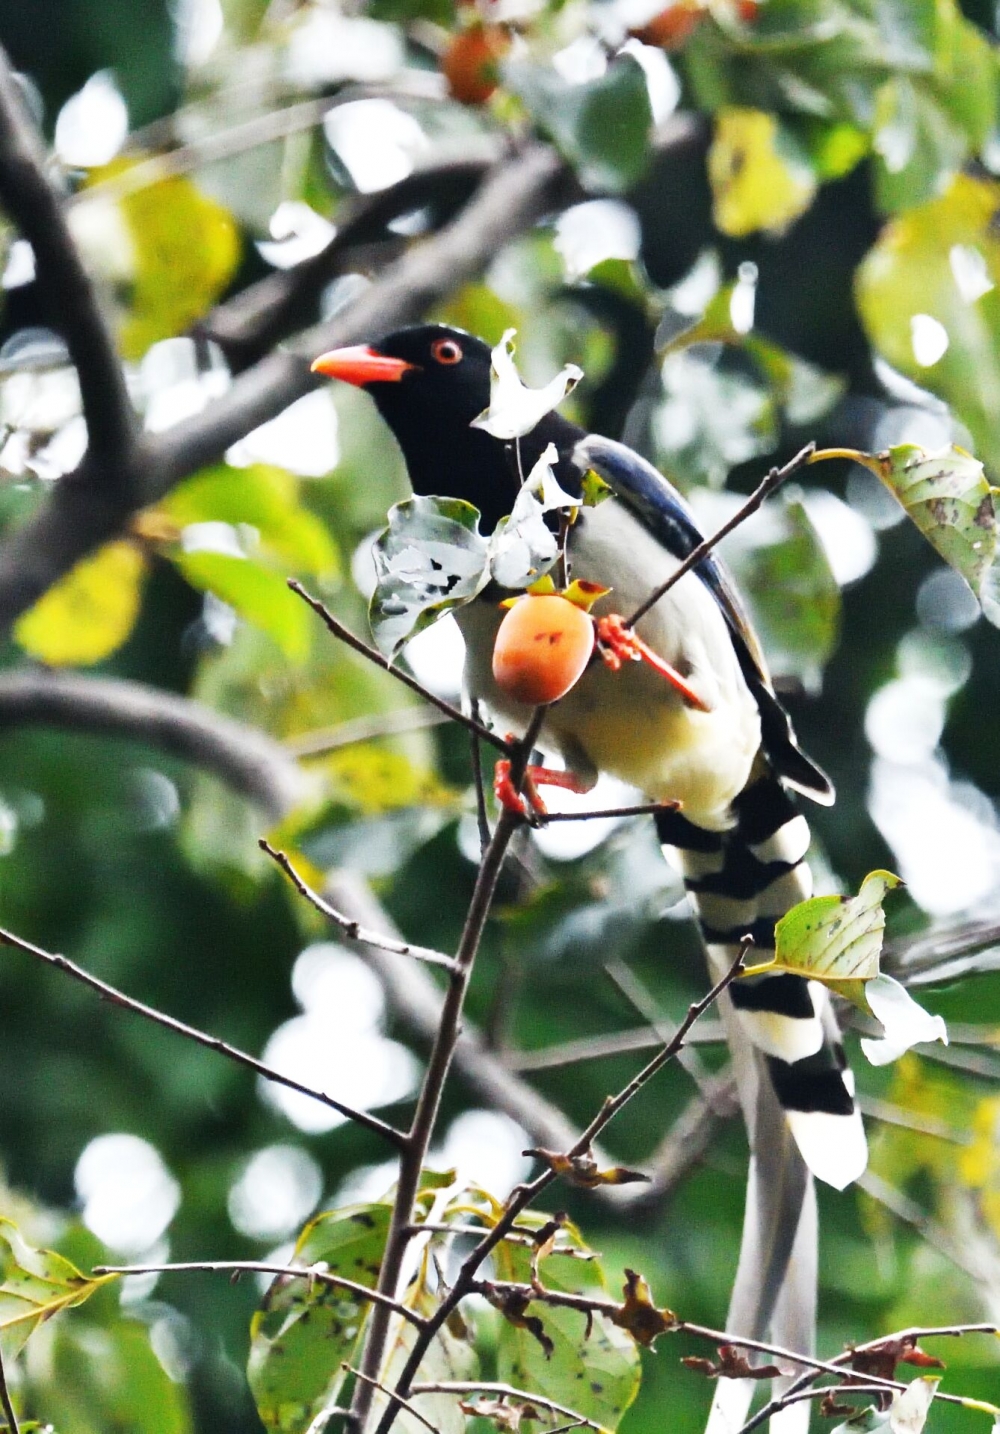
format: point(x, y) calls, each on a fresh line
point(185, 248)
point(90, 612)
point(755, 183)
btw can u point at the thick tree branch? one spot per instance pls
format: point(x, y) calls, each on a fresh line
point(77, 519)
point(30, 200)
point(253, 764)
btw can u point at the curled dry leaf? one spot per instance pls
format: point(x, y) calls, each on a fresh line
point(582, 1169)
point(505, 1414)
point(512, 1304)
point(733, 1364)
point(638, 1315)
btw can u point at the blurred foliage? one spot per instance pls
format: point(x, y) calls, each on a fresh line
point(813, 254)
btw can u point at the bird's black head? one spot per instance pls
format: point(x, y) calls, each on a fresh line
point(429, 383)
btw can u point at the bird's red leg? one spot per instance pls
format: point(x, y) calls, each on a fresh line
point(618, 643)
point(534, 777)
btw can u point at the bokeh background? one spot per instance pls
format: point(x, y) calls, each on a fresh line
point(812, 184)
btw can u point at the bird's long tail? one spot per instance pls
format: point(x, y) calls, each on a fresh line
point(795, 1088)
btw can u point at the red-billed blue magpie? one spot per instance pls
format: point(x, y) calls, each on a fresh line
point(731, 759)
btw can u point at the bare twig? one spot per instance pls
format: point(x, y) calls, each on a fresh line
point(774, 480)
point(524, 1195)
point(259, 1267)
point(6, 1403)
point(347, 925)
point(377, 1384)
point(246, 759)
point(476, 755)
point(35, 207)
point(345, 635)
point(439, 1063)
point(415, 1000)
point(363, 729)
point(616, 1043)
point(201, 1038)
point(644, 809)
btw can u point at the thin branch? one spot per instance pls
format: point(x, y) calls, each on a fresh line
point(838, 1363)
point(201, 1038)
point(476, 756)
point(524, 1195)
point(349, 927)
point(363, 729)
point(438, 1066)
point(644, 809)
point(891, 1114)
point(345, 635)
point(6, 1403)
point(774, 480)
point(415, 1000)
point(30, 200)
point(376, 1384)
point(503, 1391)
point(247, 760)
point(914, 1215)
point(617, 1043)
point(259, 1267)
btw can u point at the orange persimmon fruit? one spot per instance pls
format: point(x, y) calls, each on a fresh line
point(471, 63)
point(542, 648)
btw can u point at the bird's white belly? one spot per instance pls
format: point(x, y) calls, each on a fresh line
point(633, 724)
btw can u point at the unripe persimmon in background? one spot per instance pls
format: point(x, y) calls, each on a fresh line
point(542, 648)
point(470, 63)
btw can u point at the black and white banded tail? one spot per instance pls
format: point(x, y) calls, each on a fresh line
point(741, 881)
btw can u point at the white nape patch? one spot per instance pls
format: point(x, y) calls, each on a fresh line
point(789, 843)
point(790, 1038)
point(833, 1146)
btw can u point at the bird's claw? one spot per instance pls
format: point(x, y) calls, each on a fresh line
point(617, 644)
point(529, 803)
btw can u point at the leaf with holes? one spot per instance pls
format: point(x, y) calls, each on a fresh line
point(304, 1331)
point(430, 559)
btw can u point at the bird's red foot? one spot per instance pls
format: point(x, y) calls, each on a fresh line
point(535, 777)
point(617, 644)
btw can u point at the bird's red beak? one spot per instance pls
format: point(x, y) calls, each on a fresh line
point(361, 365)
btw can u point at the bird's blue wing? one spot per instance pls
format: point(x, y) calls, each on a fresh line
point(663, 512)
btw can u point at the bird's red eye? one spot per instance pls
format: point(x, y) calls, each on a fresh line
point(446, 351)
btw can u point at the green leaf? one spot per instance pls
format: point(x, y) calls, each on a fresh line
point(430, 559)
point(302, 1333)
point(760, 179)
point(259, 595)
point(596, 1375)
point(957, 510)
point(91, 1379)
point(90, 612)
point(35, 1285)
point(942, 260)
point(835, 939)
point(263, 498)
point(602, 127)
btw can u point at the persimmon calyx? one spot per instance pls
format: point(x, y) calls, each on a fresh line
point(617, 644)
